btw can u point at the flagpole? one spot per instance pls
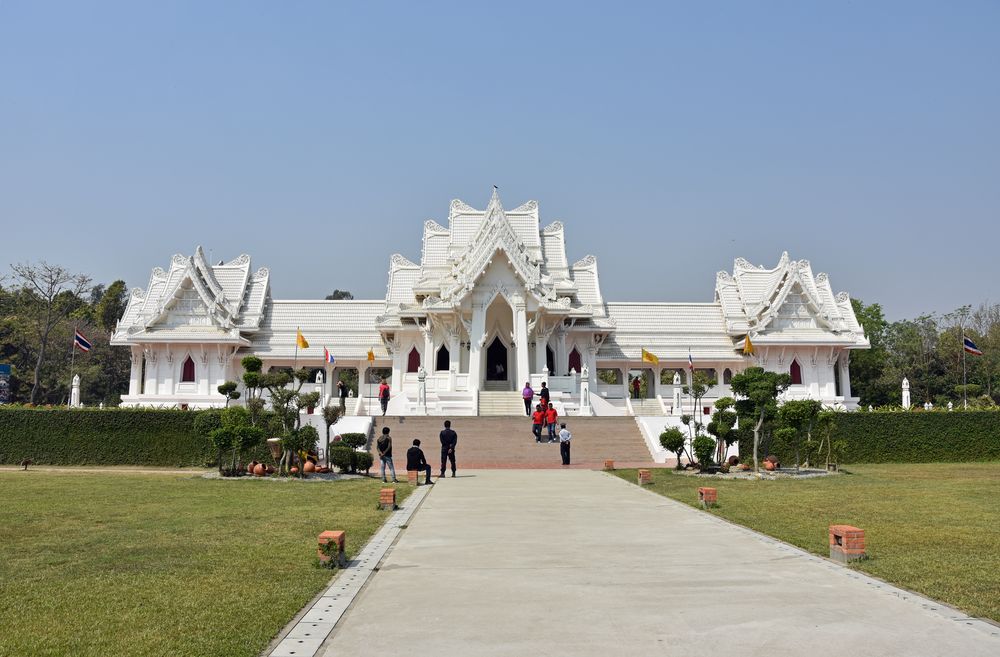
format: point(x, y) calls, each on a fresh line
point(965, 391)
point(72, 360)
point(295, 360)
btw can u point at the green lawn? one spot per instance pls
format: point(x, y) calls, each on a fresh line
point(164, 564)
point(932, 528)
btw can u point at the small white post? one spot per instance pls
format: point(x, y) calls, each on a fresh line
point(906, 392)
point(74, 397)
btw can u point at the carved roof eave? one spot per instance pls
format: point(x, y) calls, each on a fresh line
point(217, 309)
point(787, 282)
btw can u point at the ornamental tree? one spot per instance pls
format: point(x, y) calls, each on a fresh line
point(758, 392)
point(229, 391)
point(673, 441)
point(722, 426)
point(796, 419)
point(331, 414)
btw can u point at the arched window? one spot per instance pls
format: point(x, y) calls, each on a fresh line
point(413, 360)
point(443, 363)
point(727, 376)
point(187, 370)
point(574, 361)
point(795, 372)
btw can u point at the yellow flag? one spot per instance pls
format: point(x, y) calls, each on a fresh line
point(747, 346)
point(371, 355)
point(301, 340)
point(650, 358)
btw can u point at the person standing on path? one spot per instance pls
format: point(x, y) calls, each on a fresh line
point(449, 440)
point(551, 417)
point(383, 395)
point(415, 461)
point(636, 387)
point(543, 395)
point(537, 421)
point(384, 447)
point(564, 437)
point(342, 393)
point(527, 394)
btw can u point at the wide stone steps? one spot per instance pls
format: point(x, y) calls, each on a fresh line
point(507, 442)
point(501, 403)
point(646, 407)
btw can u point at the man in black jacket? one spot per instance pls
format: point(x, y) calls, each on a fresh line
point(415, 461)
point(449, 440)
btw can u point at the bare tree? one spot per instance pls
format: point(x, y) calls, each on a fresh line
point(58, 293)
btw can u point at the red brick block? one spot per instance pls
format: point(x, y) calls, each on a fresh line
point(387, 498)
point(707, 496)
point(411, 476)
point(609, 464)
point(847, 543)
point(645, 477)
point(337, 537)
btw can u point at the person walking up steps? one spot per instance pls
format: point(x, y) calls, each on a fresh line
point(415, 461)
point(527, 394)
point(383, 395)
point(537, 421)
point(384, 446)
point(551, 417)
point(564, 437)
point(449, 440)
point(342, 393)
point(543, 395)
point(636, 388)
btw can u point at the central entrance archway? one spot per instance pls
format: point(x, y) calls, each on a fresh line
point(497, 363)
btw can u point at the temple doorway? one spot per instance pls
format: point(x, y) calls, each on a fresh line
point(497, 364)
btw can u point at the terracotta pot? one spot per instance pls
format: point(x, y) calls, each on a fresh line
point(251, 466)
point(769, 465)
point(309, 467)
point(269, 469)
point(259, 470)
point(295, 469)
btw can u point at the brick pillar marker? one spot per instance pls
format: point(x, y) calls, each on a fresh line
point(707, 497)
point(387, 499)
point(338, 537)
point(645, 477)
point(609, 464)
point(847, 543)
point(411, 476)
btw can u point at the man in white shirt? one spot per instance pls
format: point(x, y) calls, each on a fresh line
point(564, 437)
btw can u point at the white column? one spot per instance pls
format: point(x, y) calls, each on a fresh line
point(562, 357)
point(135, 374)
point(624, 371)
point(541, 342)
point(521, 336)
point(364, 387)
point(428, 358)
point(454, 354)
point(475, 348)
point(845, 373)
point(204, 370)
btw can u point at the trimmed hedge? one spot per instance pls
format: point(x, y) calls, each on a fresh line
point(87, 436)
point(919, 437)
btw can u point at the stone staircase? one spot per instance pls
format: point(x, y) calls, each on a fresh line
point(500, 403)
point(497, 386)
point(647, 407)
point(507, 442)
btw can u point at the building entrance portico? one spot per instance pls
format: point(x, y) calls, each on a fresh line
point(497, 362)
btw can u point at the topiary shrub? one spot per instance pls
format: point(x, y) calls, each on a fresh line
point(363, 461)
point(354, 440)
point(703, 447)
point(342, 458)
point(672, 440)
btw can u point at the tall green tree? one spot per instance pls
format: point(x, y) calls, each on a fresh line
point(758, 391)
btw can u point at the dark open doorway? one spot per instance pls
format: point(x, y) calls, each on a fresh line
point(496, 361)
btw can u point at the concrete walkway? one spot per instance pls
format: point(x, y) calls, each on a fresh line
point(582, 563)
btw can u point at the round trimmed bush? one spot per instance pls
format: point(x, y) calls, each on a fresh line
point(354, 440)
point(363, 461)
point(342, 458)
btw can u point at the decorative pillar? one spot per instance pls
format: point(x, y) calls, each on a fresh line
point(677, 393)
point(454, 356)
point(477, 338)
point(585, 389)
point(428, 358)
point(521, 348)
point(541, 342)
point(624, 371)
point(562, 356)
point(845, 374)
point(906, 392)
point(135, 374)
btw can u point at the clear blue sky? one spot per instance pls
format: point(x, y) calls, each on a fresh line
point(669, 137)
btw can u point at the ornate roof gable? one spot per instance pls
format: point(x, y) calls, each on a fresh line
point(495, 234)
point(196, 271)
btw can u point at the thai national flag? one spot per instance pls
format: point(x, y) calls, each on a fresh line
point(971, 347)
point(327, 356)
point(80, 341)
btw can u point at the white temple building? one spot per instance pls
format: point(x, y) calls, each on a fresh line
point(494, 302)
